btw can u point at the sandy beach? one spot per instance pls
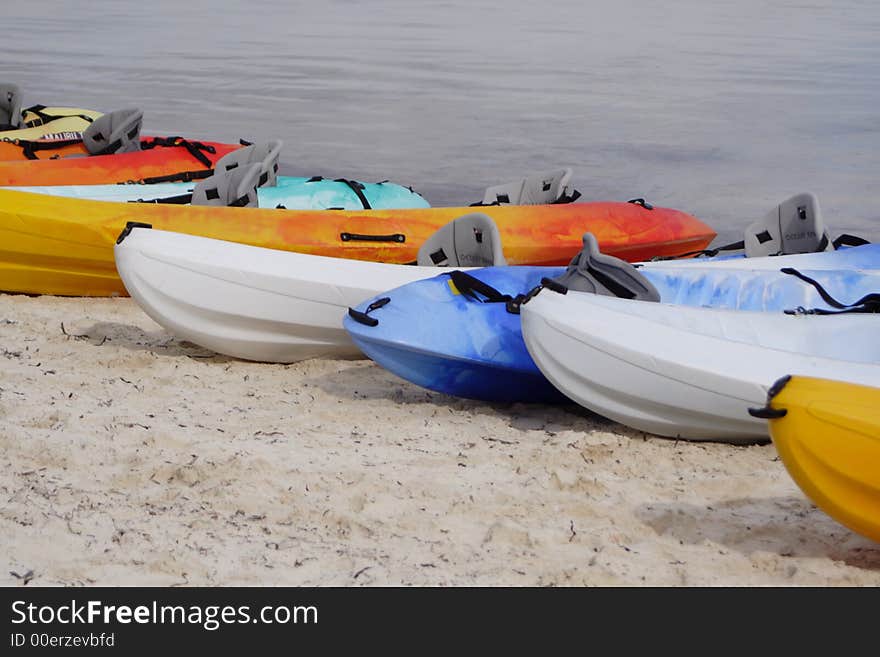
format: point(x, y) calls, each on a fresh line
point(132, 458)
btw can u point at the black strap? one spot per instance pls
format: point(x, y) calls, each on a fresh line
point(364, 317)
point(30, 148)
point(45, 117)
point(842, 240)
point(240, 202)
point(358, 189)
point(709, 253)
point(357, 237)
point(870, 303)
point(180, 176)
point(613, 286)
point(849, 240)
point(194, 148)
point(181, 199)
point(473, 287)
point(568, 198)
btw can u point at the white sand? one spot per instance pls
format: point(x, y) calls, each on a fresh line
point(132, 458)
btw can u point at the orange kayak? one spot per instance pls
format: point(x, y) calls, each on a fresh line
point(56, 245)
point(160, 158)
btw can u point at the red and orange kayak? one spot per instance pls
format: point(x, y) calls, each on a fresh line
point(56, 245)
point(160, 158)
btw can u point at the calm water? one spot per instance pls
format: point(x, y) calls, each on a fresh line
point(719, 109)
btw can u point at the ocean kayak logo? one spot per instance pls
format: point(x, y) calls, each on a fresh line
point(806, 234)
point(60, 136)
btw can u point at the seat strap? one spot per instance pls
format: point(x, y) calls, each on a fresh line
point(870, 303)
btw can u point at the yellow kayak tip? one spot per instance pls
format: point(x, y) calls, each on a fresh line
point(827, 434)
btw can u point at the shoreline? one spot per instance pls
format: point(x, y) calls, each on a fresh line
point(132, 458)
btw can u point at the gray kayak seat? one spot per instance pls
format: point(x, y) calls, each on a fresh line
point(537, 189)
point(794, 226)
point(10, 106)
point(235, 188)
point(114, 132)
point(593, 271)
point(472, 240)
point(266, 154)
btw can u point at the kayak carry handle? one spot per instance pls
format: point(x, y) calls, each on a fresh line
point(128, 226)
point(767, 413)
point(358, 237)
point(364, 317)
point(642, 202)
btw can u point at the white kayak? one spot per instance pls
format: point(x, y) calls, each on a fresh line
point(689, 372)
point(250, 302)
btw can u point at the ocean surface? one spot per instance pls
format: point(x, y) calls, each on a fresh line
point(719, 109)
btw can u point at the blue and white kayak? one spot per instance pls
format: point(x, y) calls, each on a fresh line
point(294, 193)
point(464, 344)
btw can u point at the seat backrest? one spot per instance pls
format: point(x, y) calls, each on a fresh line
point(506, 194)
point(114, 132)
point(545, 188)
point(537, 189)
point(266, 154)
point(472, 240)
point(793, 226)
point(592, 271)
point(236, 187)
point(10, 106)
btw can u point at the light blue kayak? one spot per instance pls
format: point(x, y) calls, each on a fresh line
point(461, 343)
point(294, 193)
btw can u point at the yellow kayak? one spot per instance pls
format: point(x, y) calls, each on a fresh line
point(55, 245)
point(827, 434)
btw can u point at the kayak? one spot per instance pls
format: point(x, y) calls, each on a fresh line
point(462, 344)
point(52, 245)
point(314, 193)
point(434, 333)
point(45, 127)
point(827, 434)
point(246, 301)
point(159, 158)
point(688, 372)
point(854, 258)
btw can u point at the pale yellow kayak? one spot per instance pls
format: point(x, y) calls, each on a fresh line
point(46, 131)
point(827, 434)
point(39, 121)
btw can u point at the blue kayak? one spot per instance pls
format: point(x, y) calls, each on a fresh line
point(469, 345)
point(291, 192)
point(435, 336)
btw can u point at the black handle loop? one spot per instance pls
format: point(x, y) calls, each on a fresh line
point(359, 237)
point(642, 202)
point(364, 317)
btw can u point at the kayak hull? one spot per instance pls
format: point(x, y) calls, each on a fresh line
point(687, 372)
point(829, 442)
point(104, 169)
point(433, 334)
point(249, 302)
point(293, 193)
point(51, 245)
